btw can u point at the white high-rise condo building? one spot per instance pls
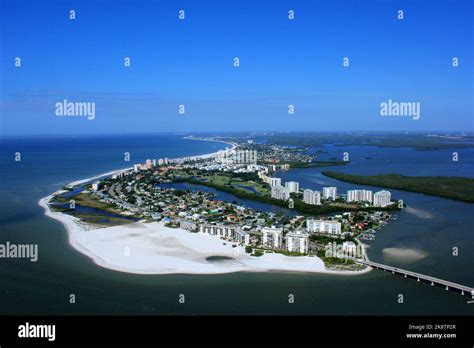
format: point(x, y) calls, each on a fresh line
point(229, 232)
point(280, 192)
point(272, 237)
point(292, 186)
point(323, 226)
point(297, 242)
point(96, 185)
point(245, 156)
point(312, 197)
point(217, 230)
point(275, 182)
point(359, 196)
point(330, 192)
point(237, 156)
point(241, 237)
point(382, 198)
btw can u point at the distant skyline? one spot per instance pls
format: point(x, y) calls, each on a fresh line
point(190, 62)
point(236, 133)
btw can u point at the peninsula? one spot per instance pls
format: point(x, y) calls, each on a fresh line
point(159, 217)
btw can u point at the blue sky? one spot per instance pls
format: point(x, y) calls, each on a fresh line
point(190, 62)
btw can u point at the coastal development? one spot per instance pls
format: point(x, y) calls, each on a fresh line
point(178, 195)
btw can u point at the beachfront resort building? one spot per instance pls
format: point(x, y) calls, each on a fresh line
point(241, 237)
point(272, 237)
point(233, 156)
point(297, 242)
point(96, 185)
point(312, 197)
point(330, 192)
point(292, 186)
point(275, 182)
point(323, 226)
point(227, 232)
point(382, 198)
point(280, 192)
point(359, 196)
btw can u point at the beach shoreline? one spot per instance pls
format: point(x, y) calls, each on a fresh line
point(174, 250)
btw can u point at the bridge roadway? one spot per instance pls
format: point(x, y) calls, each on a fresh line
point(465, 290)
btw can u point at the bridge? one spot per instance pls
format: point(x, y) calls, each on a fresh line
point(465, 290)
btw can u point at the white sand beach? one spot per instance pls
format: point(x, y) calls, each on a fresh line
point(152, 248)
point(233, 146)
point(78, 182)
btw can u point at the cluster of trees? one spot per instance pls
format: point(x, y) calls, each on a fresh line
point(458, 188)
point(327, 239)
point(314, 164)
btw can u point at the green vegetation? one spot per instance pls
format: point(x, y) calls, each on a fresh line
point(101, 220)
point(244, 182)
point(334, 207)
point(87, 200)
point(458, 188)
point(334, 261)
point(314, 164)
point(300, 206)
point(321, 239)
point(238, 192)
point(248, 249)
point(337, 261)
point(260, 251)
point(60, 199)
point(415, 141)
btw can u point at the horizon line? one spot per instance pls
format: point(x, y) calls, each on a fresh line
point(260, 132)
